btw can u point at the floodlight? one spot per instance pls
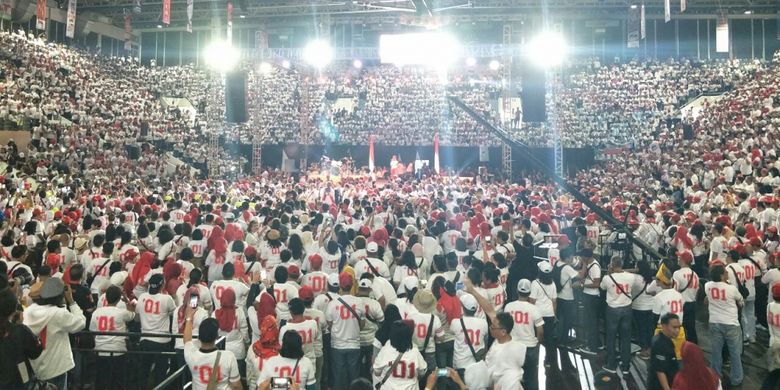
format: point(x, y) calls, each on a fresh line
point(265, 67)
point(434, 49)
point(471, 62)
point(547, 49)
point(494, 65)
point(357, 64)
point(221, 56)
point(286, 64)
point(318, 53)
point(633, 6)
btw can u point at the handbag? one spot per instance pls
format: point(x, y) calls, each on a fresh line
point(212, 385)
point(740, 286)
point(25, 371)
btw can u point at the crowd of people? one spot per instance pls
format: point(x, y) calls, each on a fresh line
point(435, 282)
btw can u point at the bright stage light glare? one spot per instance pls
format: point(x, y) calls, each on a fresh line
point(357, 64)
point(286, 64)
point(221, 56)
point(266, 68)
point(318, 53)
point(434, 49)
point(547, 49)
point(471, 62)
point(494, 65)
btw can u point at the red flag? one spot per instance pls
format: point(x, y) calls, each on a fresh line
point(40, 15)
point(166, 16)
point(230, 22)
point(436, 153)
point(371, 153)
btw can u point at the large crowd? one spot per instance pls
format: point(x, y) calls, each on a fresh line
point(433, 282)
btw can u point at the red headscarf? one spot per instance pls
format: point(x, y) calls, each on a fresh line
point(695, 374)
point(140, 270)
point(186, 301)
point(171, 273)
point(682, 236)
point(226, 315)
point(216, 234)
point(267, 345)
point(449, 305)
point(264, 305)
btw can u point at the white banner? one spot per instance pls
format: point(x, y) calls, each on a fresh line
point(683, 5)
point(5, 9)
point(667, 11)
point(189, 16)
point(70, 29)
point(40, 15)
point(722, 35)
point(642, 22)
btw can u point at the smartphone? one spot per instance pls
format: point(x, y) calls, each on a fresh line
point(487, 239)
point(280, 383)
point(194, 301)
point(263, 275)
point(459, 286)
point(442, 372)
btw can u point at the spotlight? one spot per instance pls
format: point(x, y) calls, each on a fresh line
point(471, 62)
point(159, 26)
point(357, 64)
point(286, 64)
point(318, 54)
point(494, 65)
point(265, 68)
point(547, 49)
point(221, 56)
point(748, 12)
point(633, 6)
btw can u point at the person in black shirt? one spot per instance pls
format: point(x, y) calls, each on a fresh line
point(663, 360)
point(18, 344)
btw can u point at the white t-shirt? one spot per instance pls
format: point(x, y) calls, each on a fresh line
point(201, 364)
point(718, 248)
point(110, 319)
point(284, 293)
point(405, 373)
point(643, 301)
point(736, 269)
point(344, 327)
point(527, 319)
point(421, 322)
point(773, 319)
point(668, 301)
point(723, 299)
point(374, 310)
point(218, 287)
point(619, 290)
point(568, 273)
point(322, 325)
point(278, 366)
point(309, 331)
point(154, 313)
point(101, 282)
point(317, 280)
point(685, 278)
point(496, 296)
point(380, 266)
point(593, 273)
point(771, 277)
point(477, 329)
point(544, 296)
point(505, 364)
point(197, 318)
point(405, 308)
point(750, 277)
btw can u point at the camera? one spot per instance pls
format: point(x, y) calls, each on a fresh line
point(281, 383)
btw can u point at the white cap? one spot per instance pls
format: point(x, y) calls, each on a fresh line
point(411, 283)
point(524, 286)
point(118, 278)
point(545, 266)
point(372, 247)
point(469, 302)
point(333, 280)
point(365, 283)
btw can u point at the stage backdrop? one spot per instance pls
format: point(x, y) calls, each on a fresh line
point(451, 157)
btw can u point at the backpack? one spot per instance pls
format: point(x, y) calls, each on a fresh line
point(556, 277)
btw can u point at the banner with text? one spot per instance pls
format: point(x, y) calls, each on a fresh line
point(40, 15)
point(128, 33)
point(722, 35)
point(189, 15)
point(166, 16)
point(683, 6)
point(667, 11)
point(642, 22)
point(633, 27)
point(70, 29)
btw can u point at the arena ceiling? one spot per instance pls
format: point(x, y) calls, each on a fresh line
point(403, 11)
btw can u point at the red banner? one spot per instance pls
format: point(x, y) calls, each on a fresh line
point(40, 15)
point(371, 153)
point(166, 16)
point(436, 153)
point(230, 22)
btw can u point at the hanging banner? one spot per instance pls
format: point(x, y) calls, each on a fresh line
point(683, 5)
point(230, 22)
point(371, 154)
point(436, 153)
point(633, 27)
point(667, 11)
point(70, 29)
point(166, 16)
point(642, 22)
point(40, 15)
point(137, 6)
point(5, 9)
point(722, 35)
point(128, 33)
point(189, 15)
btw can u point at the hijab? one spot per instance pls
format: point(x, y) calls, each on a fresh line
point(226, 315)
point(268, 344)
point(181, 317)
point(695, 374)
point(171, 273)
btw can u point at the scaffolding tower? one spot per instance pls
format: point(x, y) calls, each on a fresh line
point(214, 119)
point(304, 118)
point(506, 105)
point(257, 155)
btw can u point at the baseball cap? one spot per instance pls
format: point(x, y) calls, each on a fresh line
point(545, 267)
point(365, 283)
point(118, 278)
point(372, 247)
point(155, 281)
point(293, 270)
point(469, 302)
point(524, 286)
point(52, 287)
point(315, 261)
point(345, 280)
point(411, 283)
point(333, 280)
point(306, 294)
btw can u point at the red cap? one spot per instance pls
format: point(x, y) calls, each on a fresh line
point(685, 256)
point(250, 251)
point(315, 261)
point(739, 248)
point(564, 240)
point(187, 218)
point(345, 280)
point(755, 241)
point(306, 294)
point(53, 260)
point(57, 214)
point(294, 271)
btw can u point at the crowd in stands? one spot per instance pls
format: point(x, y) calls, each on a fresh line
point(365, 283)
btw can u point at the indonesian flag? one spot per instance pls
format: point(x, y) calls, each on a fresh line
point(166, 14)
point(40, 15)
point(371, 154)
point(436, 153)
point(230, 22)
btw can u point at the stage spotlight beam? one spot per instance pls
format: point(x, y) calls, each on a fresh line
point(547, 50)
point(318, 54)
point(221, 56)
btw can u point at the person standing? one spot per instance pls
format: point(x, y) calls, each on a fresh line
point(686, 281)
point(545, 297)
point(307, 328)
point(723, 300)
point(345, 315)
point(111, 319)
point(155, 316)
point(203, 361)
point(374, 316)
point(18, 344)
point(567, 306)
point(618, 285)
point(506, 357)
point(427, 326)
point(773, 320)
point(529, 330)
point(663, 359)
point(398, 364)
point(589, 282)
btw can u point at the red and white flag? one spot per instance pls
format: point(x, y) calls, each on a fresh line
point(436, 153)
point(189, 15)
point(40, 15)
point(230, 22)
point(371, 154)
point(128, 32)
point(166, 16)
point(70, 28)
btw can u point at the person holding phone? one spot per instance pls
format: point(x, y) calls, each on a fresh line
point(204, 361)
point(438, 377)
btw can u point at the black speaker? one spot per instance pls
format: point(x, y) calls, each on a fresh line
point(687, 131)
point(534, 91)
point(235, 97)
point(133, 152)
